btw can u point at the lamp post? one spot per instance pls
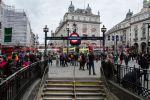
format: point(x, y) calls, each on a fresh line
point(148, 42)
point(45, 30)
point(103, 29)
point(68, 37)
point(117, 38)
point(74, 27)
point(77, 49)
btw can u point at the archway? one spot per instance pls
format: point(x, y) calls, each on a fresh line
point(136, 47)
point(143, 47)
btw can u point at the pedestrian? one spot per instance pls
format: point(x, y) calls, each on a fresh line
point(82, 61)
point(126, 59)
point(116, 58)
point(91, 63)
point(50, 60)
point(57, 61)
point(144, 65)
point(121, 58)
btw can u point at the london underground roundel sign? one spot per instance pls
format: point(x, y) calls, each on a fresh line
point(74, 39)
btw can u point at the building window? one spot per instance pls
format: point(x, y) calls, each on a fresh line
point(136, 32)
point(78, 18)
point(108, 37)
point(84, 19)
point(90, 19)
point(95, 19)
point(72, 17)
point(143, 31)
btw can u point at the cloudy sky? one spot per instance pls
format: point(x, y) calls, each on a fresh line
point(50, 12)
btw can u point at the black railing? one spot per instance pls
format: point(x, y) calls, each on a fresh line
point(14, 86)
point(134, 79)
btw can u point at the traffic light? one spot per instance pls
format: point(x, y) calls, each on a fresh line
point(113, 38)
point(121, 38)
point(108, 37)
point(117, 37)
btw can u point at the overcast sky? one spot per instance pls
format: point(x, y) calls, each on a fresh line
point(50, 12)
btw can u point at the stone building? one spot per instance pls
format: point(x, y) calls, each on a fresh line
point(132, 31)
point(87, 23)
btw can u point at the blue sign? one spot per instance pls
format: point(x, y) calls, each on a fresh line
point(74, 38)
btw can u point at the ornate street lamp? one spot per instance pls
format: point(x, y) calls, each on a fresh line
point(45, 30)
point(103, 29)
point(68, 37)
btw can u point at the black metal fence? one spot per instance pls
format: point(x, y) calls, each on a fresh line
point(137, 80)
point(134, 79)
point(15, 85)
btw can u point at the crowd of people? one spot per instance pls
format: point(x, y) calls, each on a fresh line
point(83, 60)
point(10, 63)
point(86, 60)
point(131, 76)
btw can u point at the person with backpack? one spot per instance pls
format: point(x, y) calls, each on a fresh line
point(91, 63)
point(82, 61)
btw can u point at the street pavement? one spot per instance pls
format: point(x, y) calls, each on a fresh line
point(68, 72)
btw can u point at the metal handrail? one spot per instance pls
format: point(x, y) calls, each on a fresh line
point(74, 87)
point(41, 83)
point(107, 89)
point(13, 87)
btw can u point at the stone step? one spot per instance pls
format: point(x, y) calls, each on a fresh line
point(90, 86)
point(89, 91)
point(96, 81)
point(56, 98)
point(90, 94)
point(76, 79)
point(90, 98)
point(58, 89)
point(57, 94)
point(57, 85)
point(62, 89)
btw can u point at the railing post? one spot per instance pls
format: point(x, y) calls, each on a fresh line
point(118, 73)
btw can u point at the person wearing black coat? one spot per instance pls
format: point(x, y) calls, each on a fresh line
point(91, 63)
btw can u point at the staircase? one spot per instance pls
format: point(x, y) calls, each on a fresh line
point(67, 89)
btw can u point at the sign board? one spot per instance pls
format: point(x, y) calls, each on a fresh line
point(72, 38)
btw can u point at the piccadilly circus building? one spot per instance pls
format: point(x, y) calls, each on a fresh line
point(86, 24)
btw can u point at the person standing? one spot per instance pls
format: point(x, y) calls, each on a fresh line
point(57, 61)
point(126, 59)
point(91, 63)
point(121, 58)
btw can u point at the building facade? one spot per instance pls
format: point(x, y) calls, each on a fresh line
point(87, 23)
point(17, 23)
point(132, 31)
